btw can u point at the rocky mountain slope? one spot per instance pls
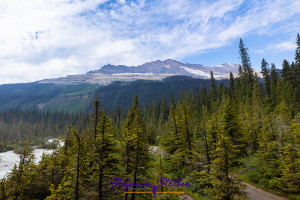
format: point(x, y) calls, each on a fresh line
point(113, 84)
point(156, 70)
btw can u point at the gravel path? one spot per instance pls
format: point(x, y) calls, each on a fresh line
point(255, 193)
point(185, 197)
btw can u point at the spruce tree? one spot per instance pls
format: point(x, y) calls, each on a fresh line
point(134, 145)
point(273, 85)
point(3, 189)
point(20, 177)
point(266, 75)
point(231, 85)
point(182, 157)
point(246, 70)
point(297, 75)
point(256, 118)
point(96, 115)
point(246, 64)
point(225, 187)
point(231, 124)
point(170, 140)
point(213, 89)
point(286, 72)
point(291, 160)
point(297, 53)
point(227, 150)
point(104, 158)
point(79, 147)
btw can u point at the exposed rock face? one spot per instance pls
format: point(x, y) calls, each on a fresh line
point(156, 70)
point(170, 67)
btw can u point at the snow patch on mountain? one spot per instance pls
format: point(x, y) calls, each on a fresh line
point(196, 72)
point(155, 70)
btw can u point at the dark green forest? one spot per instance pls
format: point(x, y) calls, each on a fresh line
point(19, 126)
point(245, 129)
point(79, 97)
point(49, 96)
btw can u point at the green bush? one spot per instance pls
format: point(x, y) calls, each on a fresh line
point(49, 145)
point(19, 149)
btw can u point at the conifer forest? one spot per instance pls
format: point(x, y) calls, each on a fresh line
point(203, 143)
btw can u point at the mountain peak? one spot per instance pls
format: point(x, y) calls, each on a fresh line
point(155, 70)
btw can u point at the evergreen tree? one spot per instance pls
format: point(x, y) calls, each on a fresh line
point(96, 115)
point(182, 157)
point(297, 75)
point(229, 140)
point(19, 178)
point(269, 153)
point(221, 91)
point(134, 147)
point(266, 75)
point(79, 147)
point(231, 124)
point(273, 85)
point(286, 72)
point(291, 160)
point(170, 140)
point(231, 85)
point(3, 189)
point(246, 70)
point(256, 122)
point(104, 158)
point(246, 64)
point(223, 185)
point(213, 89)
point(297, 54)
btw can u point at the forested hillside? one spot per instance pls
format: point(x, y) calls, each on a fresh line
point(72, 98)
point(79, 97)
point(120, 94)
point(211, 138)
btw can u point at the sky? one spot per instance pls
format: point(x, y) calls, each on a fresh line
point(53, 38)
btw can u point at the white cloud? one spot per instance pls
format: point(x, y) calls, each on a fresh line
point(49, 38)
point(260, 51)
point(283, 46)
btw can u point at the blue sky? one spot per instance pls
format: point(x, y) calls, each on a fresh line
point(53, 38)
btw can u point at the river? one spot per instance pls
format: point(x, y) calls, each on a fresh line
point(8, 159)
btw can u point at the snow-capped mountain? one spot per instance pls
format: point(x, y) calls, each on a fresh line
point(156, 70)
point(170, 67)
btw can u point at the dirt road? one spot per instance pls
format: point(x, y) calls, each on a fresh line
point(254, 193)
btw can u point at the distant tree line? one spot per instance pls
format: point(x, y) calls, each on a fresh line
point(18, 126)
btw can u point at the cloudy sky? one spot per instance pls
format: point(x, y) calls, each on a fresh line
point(53, 38)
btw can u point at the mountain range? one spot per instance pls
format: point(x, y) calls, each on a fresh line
point(156, 70)
point(114, 84)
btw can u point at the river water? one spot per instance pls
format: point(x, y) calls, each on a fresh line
point(8, 159)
